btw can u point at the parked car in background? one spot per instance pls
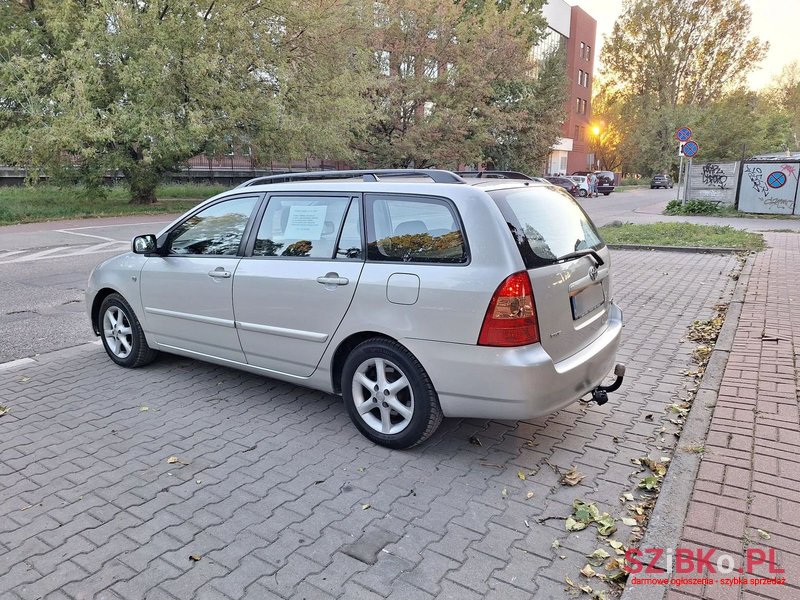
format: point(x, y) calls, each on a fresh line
point(565, 183)
point(606, 181)
point(408, 292)
point(661, 181)
point(582, 181)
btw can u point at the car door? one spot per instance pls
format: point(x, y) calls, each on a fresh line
point(292, 290)
point(187, 293)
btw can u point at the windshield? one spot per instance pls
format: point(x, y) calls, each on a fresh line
point(546, 223)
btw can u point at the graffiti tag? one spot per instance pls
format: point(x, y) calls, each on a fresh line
point(714, 175)
point(756, 179)
point(780, 202)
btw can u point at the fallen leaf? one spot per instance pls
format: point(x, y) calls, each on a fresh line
point(3, 410)
point(144, 408)
point(495, 465)
point(573, 525)
point(365, 506)
point(588, 571)
point(763, 534)
point(572, 477)
point(529, 495)
point(504, 493)
point(475, 441)
point(628, 496)
point(521, 475)
point(24, 379)
point(597, 557)
point(195, 557)
point(649, 483)
point(648, 417)
point(612, 565)
point(606, 524)
point(555, 544)
point(361, 469)
point(629, 522)
point(172, 460)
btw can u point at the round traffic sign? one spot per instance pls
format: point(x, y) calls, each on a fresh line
point(683, 134)
point(776, 179)
point(690, 148)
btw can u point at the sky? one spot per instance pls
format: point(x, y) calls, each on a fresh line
point(775, 21)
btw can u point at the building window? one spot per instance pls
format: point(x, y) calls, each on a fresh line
point(407, 67)
point(583, 49)
point(382, 57)
point(577, 131)
point(578, 105)
point(585, 107)
point(427, 109)
point(588, 53)
point(580, 76)
point(431, 68)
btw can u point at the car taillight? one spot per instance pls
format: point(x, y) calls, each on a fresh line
point(511, 317)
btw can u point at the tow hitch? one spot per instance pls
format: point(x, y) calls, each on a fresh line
point(600, 393)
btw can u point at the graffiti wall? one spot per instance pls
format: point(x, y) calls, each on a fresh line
point(714, 181)
point(770, 187)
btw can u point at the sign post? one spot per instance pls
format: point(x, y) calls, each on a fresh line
point(683, 135)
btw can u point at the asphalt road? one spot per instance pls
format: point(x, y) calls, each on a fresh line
point(44, 266)
point(43, 272)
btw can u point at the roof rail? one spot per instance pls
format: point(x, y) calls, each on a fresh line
point(437, 175)
point(494, 174)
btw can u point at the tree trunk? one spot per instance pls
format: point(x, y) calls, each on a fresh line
point(142, 181)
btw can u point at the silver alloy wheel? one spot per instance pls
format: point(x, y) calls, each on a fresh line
point(383, 396)
point(117, 332)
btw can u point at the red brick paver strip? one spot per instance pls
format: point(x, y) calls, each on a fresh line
point(746, 498)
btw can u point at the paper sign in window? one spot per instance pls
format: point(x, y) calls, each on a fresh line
point(305, 223)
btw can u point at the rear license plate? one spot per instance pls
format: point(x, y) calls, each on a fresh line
point(587, 300)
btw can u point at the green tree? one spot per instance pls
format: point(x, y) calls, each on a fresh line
point(666, 55)
point(456, 85)
point(742, 122)
point(140, 86)
point(784, 95)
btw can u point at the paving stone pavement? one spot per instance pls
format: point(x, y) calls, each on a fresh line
point(272, 489)
point(745, 498)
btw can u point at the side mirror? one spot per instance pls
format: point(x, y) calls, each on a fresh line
point(144, 244)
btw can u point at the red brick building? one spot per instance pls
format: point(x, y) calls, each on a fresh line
point(575, 30)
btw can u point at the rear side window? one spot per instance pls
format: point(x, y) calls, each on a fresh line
point(546, 223)
point(403, 228)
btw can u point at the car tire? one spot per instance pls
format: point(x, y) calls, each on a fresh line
point(377, 362)
point(652, 187)
point(606, 193)
point(122, 334)
point(582, 193)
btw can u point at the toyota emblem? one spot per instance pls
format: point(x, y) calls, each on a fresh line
point(593, 273)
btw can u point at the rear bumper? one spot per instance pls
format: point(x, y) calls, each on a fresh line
point(515, 383)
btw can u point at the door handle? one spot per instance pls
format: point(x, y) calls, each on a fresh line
point(220, 273)
point(333, 279)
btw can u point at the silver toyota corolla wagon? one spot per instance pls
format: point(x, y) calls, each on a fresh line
point(415, 294)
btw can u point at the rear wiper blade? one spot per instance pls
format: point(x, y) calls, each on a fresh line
point(580, 253)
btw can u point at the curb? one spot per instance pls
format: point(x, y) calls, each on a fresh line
point(47, 356)
point(694, 249)
point(666, 521)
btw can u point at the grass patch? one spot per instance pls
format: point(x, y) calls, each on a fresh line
point(50, 203)
point(682, 234)
point(713, 209)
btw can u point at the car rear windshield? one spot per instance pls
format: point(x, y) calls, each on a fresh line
point(547, 224)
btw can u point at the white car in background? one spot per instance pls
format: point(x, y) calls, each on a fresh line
point(582, 181)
